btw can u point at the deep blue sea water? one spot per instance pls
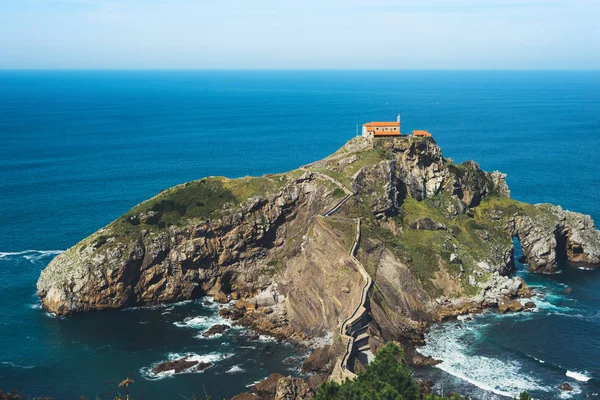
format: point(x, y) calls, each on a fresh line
point(79, 148)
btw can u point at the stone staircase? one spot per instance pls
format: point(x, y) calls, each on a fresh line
point(354, 329)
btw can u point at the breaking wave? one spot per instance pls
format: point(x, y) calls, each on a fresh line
point(31, 255)
point(201, 322)
point(502, 377)
point(15, 365)
point(578, 376)
point(234, 369)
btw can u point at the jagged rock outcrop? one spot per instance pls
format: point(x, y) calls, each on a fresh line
point(289, 388)
point(553, 235)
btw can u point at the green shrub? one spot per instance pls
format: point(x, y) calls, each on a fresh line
point(386, 378)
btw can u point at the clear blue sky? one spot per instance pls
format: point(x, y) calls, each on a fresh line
point(298, 34)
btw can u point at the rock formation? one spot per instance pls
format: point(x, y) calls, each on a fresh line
point(436, 239)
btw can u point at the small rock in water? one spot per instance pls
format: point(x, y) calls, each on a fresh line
point(216, 329)
point(203, 365)
point(420, 360)
point(530, 305)
point(178, 366)
point(566, 387)
point(511, 305)
point(568, 290)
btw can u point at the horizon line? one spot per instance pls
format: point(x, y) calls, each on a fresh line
point(68, 69)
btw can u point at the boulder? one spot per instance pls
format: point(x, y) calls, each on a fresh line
point(316, 380)
point(178, 366)
point(215, 330)
point(427, 224)
point(419, 360)
point(565, 387)
point(530, 305)
point(510, 306)
point(426, 386)
point(454, 259)
point(202, 366)
point(220, 297)
point(267, 386)
point(289, 388)
point(321, 360)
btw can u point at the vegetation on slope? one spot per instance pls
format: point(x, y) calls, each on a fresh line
point(201, 199)
point(386, 378)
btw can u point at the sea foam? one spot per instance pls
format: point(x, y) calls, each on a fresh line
point(578, 376)
point(212, 358)
point(234, 369)
point(502, 377)
point(31, 255)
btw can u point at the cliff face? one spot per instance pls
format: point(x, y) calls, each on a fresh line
point(556, 235)
point(135, 260)
point(434, 234)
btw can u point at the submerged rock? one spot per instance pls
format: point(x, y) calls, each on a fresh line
point(179, 366)
point(565, 387)
point(215, 330)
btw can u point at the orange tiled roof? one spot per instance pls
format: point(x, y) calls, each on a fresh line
point(373, 124)
point(421, 133)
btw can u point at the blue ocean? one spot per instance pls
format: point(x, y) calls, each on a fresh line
point(79, 148)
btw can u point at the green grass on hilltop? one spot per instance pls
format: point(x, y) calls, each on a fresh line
point(344, 175)
point(204, 198)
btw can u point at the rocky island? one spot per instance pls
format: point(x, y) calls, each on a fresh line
point(366, 246)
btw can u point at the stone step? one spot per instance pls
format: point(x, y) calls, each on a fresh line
point(362, 336)
point(364, 347)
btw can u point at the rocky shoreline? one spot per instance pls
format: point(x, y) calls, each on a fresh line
point(436, 239)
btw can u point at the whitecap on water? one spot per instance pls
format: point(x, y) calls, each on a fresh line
point(31, 255)
point(15, 365)
point(255, 382)
point(502, 377)
point(200, 322)
point(234, 369)
point(266, 339)
point(581, 377)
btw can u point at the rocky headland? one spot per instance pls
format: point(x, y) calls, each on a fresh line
point(434, 239)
